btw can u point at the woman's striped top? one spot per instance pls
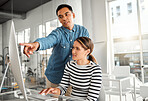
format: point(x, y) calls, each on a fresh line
point(85, 80)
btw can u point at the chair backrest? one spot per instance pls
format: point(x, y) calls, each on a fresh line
point(102, 94)
point(107, 83)
point(121, 71)
point(143, 90)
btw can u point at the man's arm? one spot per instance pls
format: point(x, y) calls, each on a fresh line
point(49, 41)
point(41, 43)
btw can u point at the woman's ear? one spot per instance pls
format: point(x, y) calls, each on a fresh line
point(87, 51)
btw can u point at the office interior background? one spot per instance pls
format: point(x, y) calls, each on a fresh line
point(118, 29)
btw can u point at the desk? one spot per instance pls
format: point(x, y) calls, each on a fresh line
point(120, 80)
point(10, 96)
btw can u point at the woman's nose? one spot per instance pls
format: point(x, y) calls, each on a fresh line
point(73, 50)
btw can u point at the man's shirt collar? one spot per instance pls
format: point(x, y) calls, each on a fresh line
point(69, 31)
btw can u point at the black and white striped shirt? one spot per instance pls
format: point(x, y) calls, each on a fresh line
point(85, 80)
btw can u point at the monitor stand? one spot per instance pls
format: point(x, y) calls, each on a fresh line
point(4, 77)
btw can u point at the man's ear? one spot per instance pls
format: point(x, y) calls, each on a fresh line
point(73, 15)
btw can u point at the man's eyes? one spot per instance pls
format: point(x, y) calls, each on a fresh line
point(66, 14)
point(60, 16)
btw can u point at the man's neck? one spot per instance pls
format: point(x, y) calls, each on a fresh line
point(70, 28)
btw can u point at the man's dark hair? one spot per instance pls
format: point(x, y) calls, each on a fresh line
point(62, 6)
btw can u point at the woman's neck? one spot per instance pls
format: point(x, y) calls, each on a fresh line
point(83, 62)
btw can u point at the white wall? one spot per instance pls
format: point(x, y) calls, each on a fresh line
point(5, 34)
point(37, 17)
point(94, 18)
point(0, 48)
point(87, 16)
point(0, 39)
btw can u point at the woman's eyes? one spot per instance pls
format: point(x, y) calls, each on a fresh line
point(77, 48)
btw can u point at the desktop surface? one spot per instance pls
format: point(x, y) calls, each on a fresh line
point(34, 96)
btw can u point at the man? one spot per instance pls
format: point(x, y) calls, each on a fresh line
point(61, 39)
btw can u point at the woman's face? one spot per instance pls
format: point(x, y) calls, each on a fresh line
point(78, 52)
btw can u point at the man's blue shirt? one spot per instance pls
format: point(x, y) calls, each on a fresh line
point(61, 39)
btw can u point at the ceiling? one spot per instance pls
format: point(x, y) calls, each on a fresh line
point(17, 8)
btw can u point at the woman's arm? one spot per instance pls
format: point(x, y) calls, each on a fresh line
point(61, 89)
point(65, 80)
point(95, 85)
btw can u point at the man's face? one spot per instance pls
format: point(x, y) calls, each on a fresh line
point(66, 17)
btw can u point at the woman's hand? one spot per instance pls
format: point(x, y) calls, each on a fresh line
point(55, 91)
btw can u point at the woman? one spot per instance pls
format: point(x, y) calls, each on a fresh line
point(82, 73)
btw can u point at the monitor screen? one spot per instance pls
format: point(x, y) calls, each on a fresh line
point(15, 60)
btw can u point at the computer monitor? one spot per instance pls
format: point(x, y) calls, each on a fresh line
point(15, 61)
point(16, 69)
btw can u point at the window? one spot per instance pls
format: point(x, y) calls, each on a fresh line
point(112, 11)
point(129, 37)
point(118, 11)
point(20, 37)
point(141, 1)
point(27, 35)
point(129, 8)
point(143, 8)
point(50, 26)
point(23, 36)
point(44, 30)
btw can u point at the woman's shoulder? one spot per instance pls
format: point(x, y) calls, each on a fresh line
point(94, 65)
point(72, 62)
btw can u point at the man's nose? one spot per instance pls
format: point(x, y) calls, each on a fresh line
point(64, 18)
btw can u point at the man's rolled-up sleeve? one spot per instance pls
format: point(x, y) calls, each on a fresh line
point(49, 41)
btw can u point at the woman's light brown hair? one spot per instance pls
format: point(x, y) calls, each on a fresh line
point(87, 43)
